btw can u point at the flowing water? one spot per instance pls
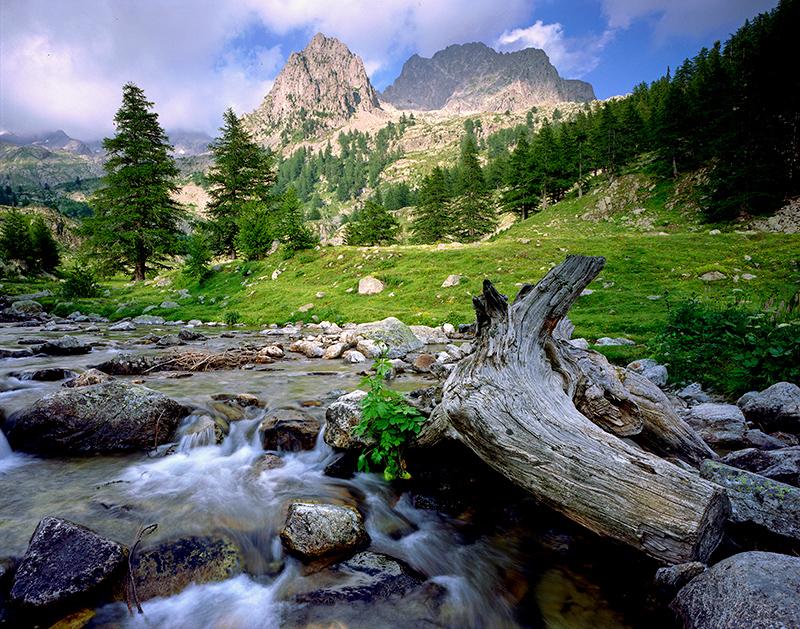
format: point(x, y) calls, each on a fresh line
point(491, 577)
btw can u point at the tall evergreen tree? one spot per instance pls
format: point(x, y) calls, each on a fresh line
point(475, 215)
point(374, 226)
point(135, 225)
point(292, 228)
point(242, 173)
point(432, 221)
point(522, 192)
point(15, 238)
point(44, 246)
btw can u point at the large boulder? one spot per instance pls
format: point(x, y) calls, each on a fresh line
point(98, 419)
point(313, 530)
point(755, 590)
point(65, 346)
point(756, 499)
point(64, 563)
point(782, 465)
point(396, 335)
point(774, 408)
point(289, 430)
point(341, 418)
point(171, 566)
point(718, 424)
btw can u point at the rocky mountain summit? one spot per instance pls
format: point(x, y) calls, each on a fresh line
point(52, 141)
point(474, 77)
point(319, 88)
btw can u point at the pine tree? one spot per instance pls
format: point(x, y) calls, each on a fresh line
point(136, 221)
point(292, 228)
point(374, 226)
point(242, 173)
point(475, 216)
point(44, 246)
point(522, 192)
point(432, 221)
point(15, 238)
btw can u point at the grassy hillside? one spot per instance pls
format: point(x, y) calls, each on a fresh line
point(656, 251)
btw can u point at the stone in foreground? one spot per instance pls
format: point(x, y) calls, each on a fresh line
point(755, 590)
point(289, 430)
point(341, 418)
point(393, 333)
point(756, 499)
point(64, 562)
point(774, 408)
point(313, 530)
point(98, 419)
point(172, 566)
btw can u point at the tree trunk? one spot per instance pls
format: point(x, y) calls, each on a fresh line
point(511, 402)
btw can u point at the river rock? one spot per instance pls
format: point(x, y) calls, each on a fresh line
point(49, 374)
point(650, 369)
point(334, 351)
point(169, 340)
point(756, 499)
point(88, 378)
point(190, 335)
point(243, 400)
point(423, 362)
point(171, 566)
point(670, 579)
point(102, 418)
point(15, 353)
point(774, 408)
point(65, 346)
point(289, 430)
point(265, 463)
point(122, 326)
point(341, 417)
point(429, 335)
point(63, 563)
point(693, 394)
point(758, 439)
point(782, 465)
point(311, 349)
point(396, 335)
point(369, 348)
point(717, 423)
point(756, 590)
point(370, 286)
point(353, 356)
point(148, 320)
point(315, 530)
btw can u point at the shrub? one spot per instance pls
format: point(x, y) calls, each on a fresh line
point(388, 419)
point(15, 238)
point(79, 281)
point(44, 246)
point(198, 257)
point(257, 230)
point(232, 317)
point(732, 349)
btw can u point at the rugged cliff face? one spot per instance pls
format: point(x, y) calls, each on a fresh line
point(319, 88)
point(473, 77)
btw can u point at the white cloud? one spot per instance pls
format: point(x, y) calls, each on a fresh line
point(572, 57)
point(62, 64)
point(683, 17)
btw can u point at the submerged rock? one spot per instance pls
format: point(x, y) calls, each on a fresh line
point(49, 374)
point(289, 430)
point(64, 562)
point(96, 419)
point(173, 565)
point(314, 530)
point(774, 408)
point(756, 590)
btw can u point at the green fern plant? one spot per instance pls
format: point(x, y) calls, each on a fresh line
point(389, 421)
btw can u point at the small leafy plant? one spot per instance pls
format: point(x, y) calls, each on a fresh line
point(79, 281)
point(390, 421)
point(232, 317)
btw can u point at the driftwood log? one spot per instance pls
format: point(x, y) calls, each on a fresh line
point(552, 419)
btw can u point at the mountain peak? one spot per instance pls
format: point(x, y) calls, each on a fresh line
point(319, 88)
point(475, 77)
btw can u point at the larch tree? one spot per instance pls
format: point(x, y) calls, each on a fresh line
point(242, 174)
point(135, 225)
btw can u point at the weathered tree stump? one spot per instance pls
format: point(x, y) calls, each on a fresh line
point(511, 402)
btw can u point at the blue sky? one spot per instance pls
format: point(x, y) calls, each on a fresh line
point(62, 64)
